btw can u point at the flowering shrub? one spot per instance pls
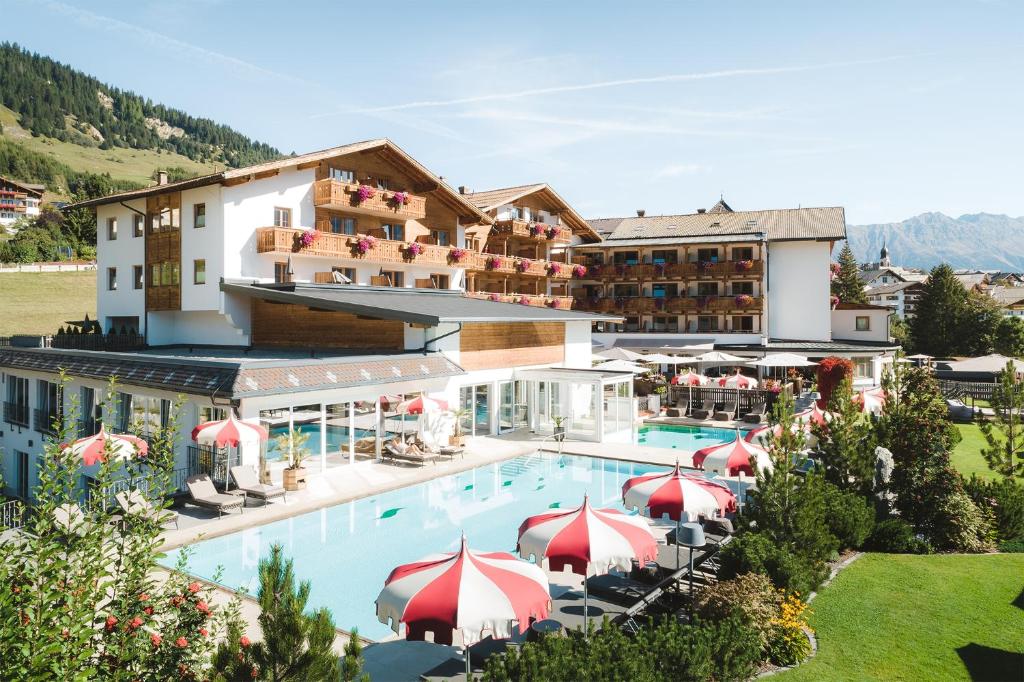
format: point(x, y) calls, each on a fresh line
point(833, 270)
point(771, 385)
point(536, 230)
point(553, 231)
point(704, 301)
point(457, 255)
point(523, 300)
point(495, 297)
point(308, 238)
point(744, 265)
point(398, 199)
point(492, 263)
point(744, 300)
point(365, 192)
point(413, 249)
point(523, 265)
point(579, 271)
point(554, 269)
point(705, 264)
point(364, 245)
point(834, 300)
point(831, 371)
point(787, 643)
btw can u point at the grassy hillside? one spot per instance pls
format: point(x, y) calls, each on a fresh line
point(122, 163)
point(40, 302)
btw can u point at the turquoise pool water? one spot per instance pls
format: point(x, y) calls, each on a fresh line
point(347, 551)
point(689, 438)
point(337, 438)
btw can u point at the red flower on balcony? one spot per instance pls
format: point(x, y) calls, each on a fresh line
point(554, 269)
point(308, 238)
point(398, 200)
point(365, 192)
point(492, 263)
point(744, 300)
point(523, 300)
point(579, 271)
point(457, 255)
point(413, 249)
point(536, 230)
point(495, 297)
point(744, 265)
point(553, 231)
point(552, 303)
point(523, 265)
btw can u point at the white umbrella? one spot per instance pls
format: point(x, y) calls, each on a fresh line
point(620, 354)
point(718, 356)
point(662, 359)
point(622, 366)
point(782, 360)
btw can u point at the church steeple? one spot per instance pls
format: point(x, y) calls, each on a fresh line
point(883, 259)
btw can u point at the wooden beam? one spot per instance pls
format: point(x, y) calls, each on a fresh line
point(231, 182)
point(307, 165)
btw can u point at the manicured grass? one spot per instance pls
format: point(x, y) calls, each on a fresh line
point(966, 456)
point(40, 302)
point(901, 617)
point(136, 165)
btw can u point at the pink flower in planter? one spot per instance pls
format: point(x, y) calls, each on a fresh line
point(536, 230)
point(399, 199)
point(744, 265)
point(457, 255)
point(492, 263)
point(414, 249)
point(552, 303)
point(523, 265)
point(744, 300)
point(834, 301)
point(554, 269)
point(365, 244)
point(308, 238)
point(495, 297)
point(553, 231)
point(579, 271)
point(705, 264)
point(524, 301)
point(365, 192)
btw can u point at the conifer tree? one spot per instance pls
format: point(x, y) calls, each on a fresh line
point(847, 284)
point(846, 444)
point(937, 326)
point(1004, 435)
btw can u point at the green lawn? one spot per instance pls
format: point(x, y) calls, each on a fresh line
point(902, 617)
point(40, 302)
point(966, 456)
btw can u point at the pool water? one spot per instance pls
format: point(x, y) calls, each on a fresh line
point(680, 437)
point(337, 439)
point(348, 550)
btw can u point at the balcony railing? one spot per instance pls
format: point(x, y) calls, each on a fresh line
point(671, 271)
point(284, 240)
point(537, 300)
point(44, 421)
point(675, 305)
point(535, 231)
point(514, 265)
point(16, 413)
point(330, 193)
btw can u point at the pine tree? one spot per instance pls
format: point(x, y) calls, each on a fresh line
point(352, 661)
point(296, 645)
point(846, 444)
point(938, 318)
point(1004, 435)
point(847, 284)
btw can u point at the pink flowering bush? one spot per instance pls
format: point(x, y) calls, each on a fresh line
point(579, 271)
point(744, 300)
point(413, 249)
point(457, 255)
point(523, 265)
point(493, 263)
point(554, 269)
point(364, 245)
point(365, 192)
point(834, 301)
point(398, 199)
point(553, 231)
point(308, 238)
point(833, 269)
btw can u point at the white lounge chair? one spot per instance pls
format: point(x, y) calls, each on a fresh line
point(247, 481)
point(203, 494)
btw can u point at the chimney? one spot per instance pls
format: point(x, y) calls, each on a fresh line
point(702, 210)
point(640, 213)
point(464, 190)
point(161, 177)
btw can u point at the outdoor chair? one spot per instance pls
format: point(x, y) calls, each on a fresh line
point(416, 456)
point(134, 503)
point(959, 412)
point(705, 411)
point(248, 481)
point(203, 494)
point(726, 413)
point(683, 405)
point(756, 414)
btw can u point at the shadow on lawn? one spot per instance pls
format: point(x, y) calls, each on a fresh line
point(985, 664)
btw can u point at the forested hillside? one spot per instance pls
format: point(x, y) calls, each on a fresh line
point(54, 100)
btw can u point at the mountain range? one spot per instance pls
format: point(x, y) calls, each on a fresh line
point(983, 241)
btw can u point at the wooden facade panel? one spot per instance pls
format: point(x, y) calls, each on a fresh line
point(295, 326)
point(486, 345)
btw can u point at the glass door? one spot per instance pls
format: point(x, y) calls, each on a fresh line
point(521, 405)
point(506, 409)
point(481, 410)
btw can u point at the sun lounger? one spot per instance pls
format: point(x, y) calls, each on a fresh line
point(959, 412)
point(134, 503)
point(411, 456)
point(248, 482)
point(203, 494)
point(756, 415)
point(683, 405)
point(726, 413)
point(705, 410)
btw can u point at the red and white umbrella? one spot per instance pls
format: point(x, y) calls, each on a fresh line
point(388, 403)
point(95, 448)
point(421, 404)
point(737, 381)
point(587, 541)
point(814, 415)
point(733, 458)
point(871, 400)
point(674, 493)
point(230, 431)
point(689, 379)
point(465, 591)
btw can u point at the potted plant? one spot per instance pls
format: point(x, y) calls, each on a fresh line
point(559, 430)
point(458, 438)
point(294, 444)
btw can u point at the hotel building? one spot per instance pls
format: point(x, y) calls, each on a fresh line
point(18, 200)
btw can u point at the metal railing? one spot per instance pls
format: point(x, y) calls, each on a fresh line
point(12, 514)
point(214, 462)
point(16, 413)
point(45, 421)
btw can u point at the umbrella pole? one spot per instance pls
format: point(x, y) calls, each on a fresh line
point(586, 609)
point(679, 526)
point(469, 670)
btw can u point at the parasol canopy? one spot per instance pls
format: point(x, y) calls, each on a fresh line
point(94, 448)
point(230, 431)
point(871, 400)
point(675, 493)
point(620, 354)
point(733, 458)
point(622, 366)
point(689, 379)
point(782, 360)
point(737, 381)
point(421, 404)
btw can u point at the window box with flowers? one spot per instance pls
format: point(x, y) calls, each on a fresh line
point(363, 245)
point(364, 193)
point(744, 265)
point(554, 269)
point(412, 250)
point(705, 265)
point(495, 297)
point(553, 231)
point(536, 230)
point(308, 238)
point(398, 200)
point(579, 271)
point(523, 300)
point(493, 263)
point(457, 255)
point(523, 265)
point(744, 300)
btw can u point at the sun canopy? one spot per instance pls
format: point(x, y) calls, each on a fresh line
point(95, 448)
point(737, 381)
point(782, 360)
point(620, 354)
point(674, 494)
point(231, 431)
point(420, 405)
point(689, 379)
point(622, 366)
point(662, 359)
point(718, 356)
point(733, 458)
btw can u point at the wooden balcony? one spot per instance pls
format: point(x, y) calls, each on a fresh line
point(647, 272)
point(284, 240)
point(513, 265)
point(342, 196)
point(522, 228)
point(540, 301)
point(681, 305)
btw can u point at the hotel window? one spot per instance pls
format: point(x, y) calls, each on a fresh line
point(516, 213)
point(154, 275)
point(282, 217)
point(743, 253)
point(707, 288)
point(440, 281)
point(138, 276)
point(743, 323)
point(739, 288)
point(397, 277)
point(863, 368)
point(342, 225)
point(166, 274)
point(111, 229)
point(281, 272)
point(707, 255)
point(665, 290)
point(707, 323)
point(664, 256)
point(626, 258)
point(342, 175)
point(439, 237)
point(863, 323)
point(49, 403)
point(394, 231)
point(199, 215)
point(199, 271)
point(112, 279)
point(138, 225)
point(16, 409)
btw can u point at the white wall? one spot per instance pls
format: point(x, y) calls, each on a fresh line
point(844, 325)
point(798, 291)
point(207, 327)
point(202, 243)
point(577, 345)
point(123, 253)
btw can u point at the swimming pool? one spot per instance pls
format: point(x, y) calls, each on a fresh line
point(347, 551)
point(337, 439)
point(682, 437)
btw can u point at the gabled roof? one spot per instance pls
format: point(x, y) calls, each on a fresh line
point(1007, 295)
point(861, 306)
point(788, 224)
point(892, 288)
point(446, 193)
point(489, 200)
point(413, 306)
point(29, 187)
point(720, 207)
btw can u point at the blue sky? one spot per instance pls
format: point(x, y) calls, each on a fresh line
point(887, 108)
